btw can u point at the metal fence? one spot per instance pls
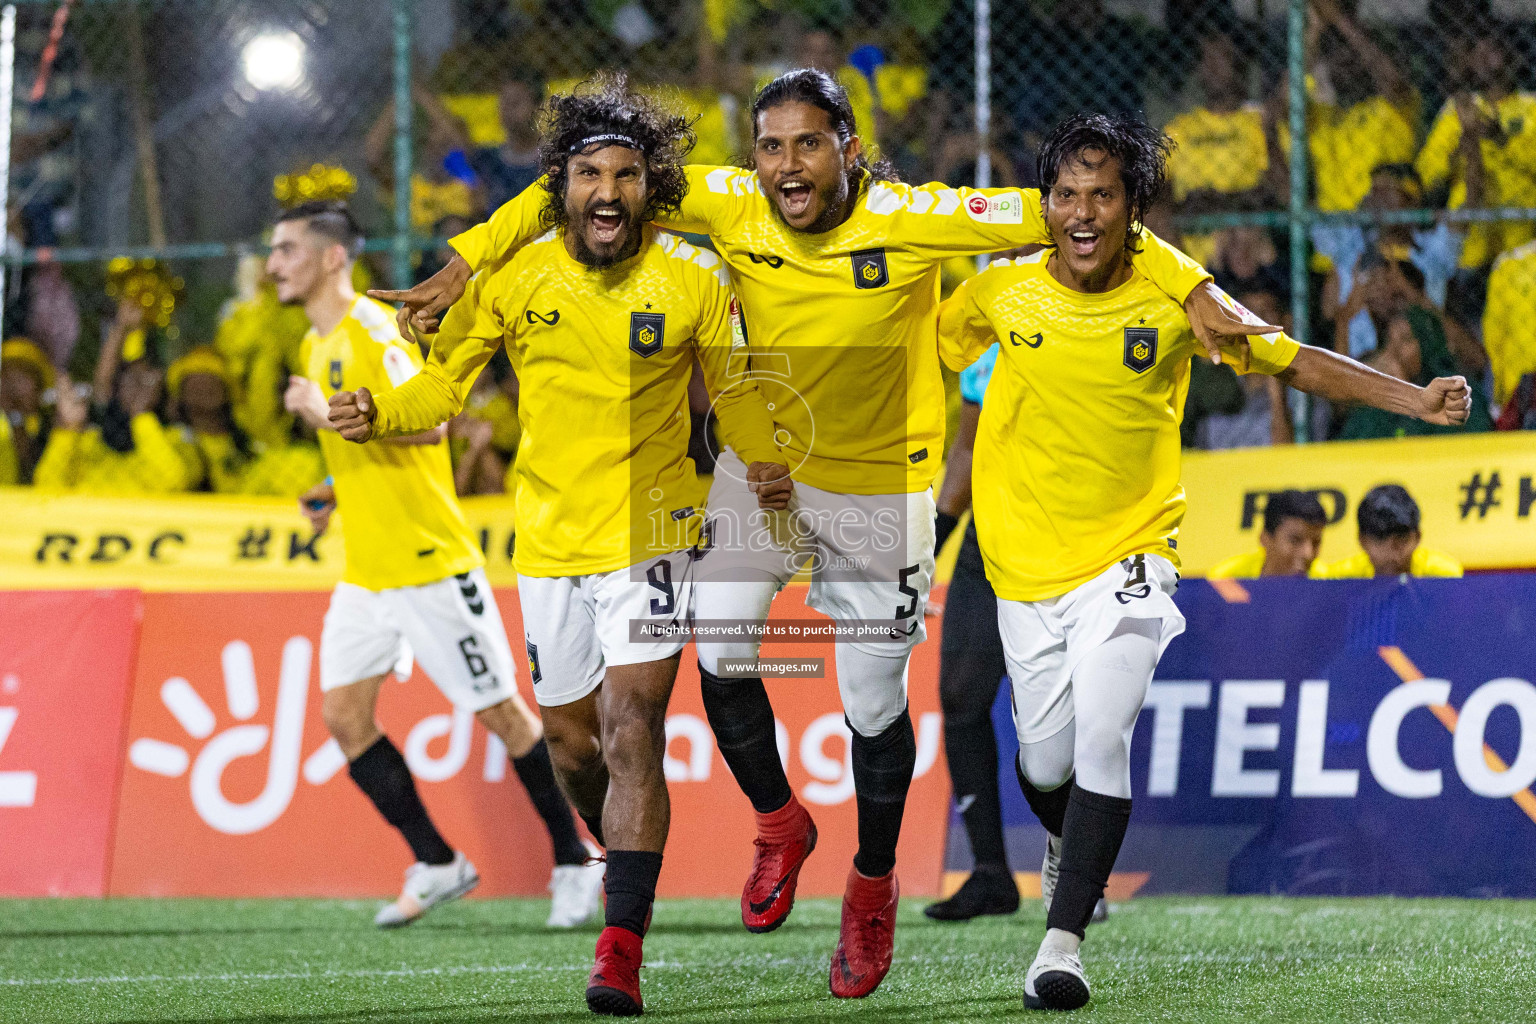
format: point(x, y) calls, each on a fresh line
point(175, 129)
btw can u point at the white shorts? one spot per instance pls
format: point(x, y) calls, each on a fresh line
point(576, 626)
point(452, 627)
point(870, 555)
point(1043, 641)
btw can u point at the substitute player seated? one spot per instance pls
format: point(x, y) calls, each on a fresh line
point(603, 318)
point(413, 588)
point(1077, 495)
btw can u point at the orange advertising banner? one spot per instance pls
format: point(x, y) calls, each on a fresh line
point(232, 787)
point(66, 661)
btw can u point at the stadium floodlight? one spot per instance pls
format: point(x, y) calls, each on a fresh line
point(274, 60)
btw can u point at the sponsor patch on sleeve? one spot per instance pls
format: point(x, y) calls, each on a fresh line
point(1003, 208)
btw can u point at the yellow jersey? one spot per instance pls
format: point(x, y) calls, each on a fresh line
point(163, 460)
point(603, 357)
point(1249, 566)
point(404, 526)
point(1217, 152)
point(1345, 143)
point(1077, 457)
point(845, 320)
point(1425, 562)
point(1509, 171)
point(1507, 320)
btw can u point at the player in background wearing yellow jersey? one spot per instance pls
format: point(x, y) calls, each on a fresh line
point(1289, 542)
point(413, 586)
point(1388, 520)
point(603, 318)
point(1077, 498)
point(837, 270)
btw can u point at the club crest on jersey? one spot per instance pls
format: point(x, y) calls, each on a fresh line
point(646, 332)
point(1140, 348)
point(869, 269)
point(335, 377)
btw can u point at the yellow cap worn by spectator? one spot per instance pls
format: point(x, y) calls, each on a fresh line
point(1289, 543)
point(1389, 534)
point(25, 352)
point(200, 359)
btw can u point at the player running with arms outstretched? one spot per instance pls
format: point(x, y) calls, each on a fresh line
point(603, 318)
point(837, 269)
point(1077, 498)
point(413, 584)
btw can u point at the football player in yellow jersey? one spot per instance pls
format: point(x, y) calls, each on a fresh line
point(837, 270)
point(413, 587)
point(603, 318)
point(1077, 497)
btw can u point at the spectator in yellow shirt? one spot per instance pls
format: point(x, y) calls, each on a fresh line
point(1501, 124)
point(130, 452)
point(443, 185)
point(1289, 543)
point(1509, 320)
point(1222, 161)
point(200, 389)
point(1362, 114)
point(25, 376)
point(1389, 534)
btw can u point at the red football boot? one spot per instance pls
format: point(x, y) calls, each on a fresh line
point(785, 837)
point(613, 987)
point(863, 954)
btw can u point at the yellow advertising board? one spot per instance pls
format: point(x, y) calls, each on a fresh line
point(192, 542)
point(1478, 496)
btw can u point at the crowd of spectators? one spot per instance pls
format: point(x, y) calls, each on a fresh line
point(1451, 129)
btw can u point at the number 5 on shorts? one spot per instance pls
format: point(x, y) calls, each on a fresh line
point(659, 576)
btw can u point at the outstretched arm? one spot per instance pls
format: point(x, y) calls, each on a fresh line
point(1446, 401)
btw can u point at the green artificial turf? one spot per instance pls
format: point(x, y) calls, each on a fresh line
point(1161, 959)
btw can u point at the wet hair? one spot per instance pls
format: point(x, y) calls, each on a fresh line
point(819, 89)
point(1387, 511)
point(1142, 150)
point(602, 109)
point(331, 219)
point(1292, 504)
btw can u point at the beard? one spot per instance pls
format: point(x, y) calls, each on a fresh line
point(587, 256)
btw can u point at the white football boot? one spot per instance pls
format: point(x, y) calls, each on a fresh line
point(577, 891)
point(1055, 981)
point(427, 885)
point(1048, 872)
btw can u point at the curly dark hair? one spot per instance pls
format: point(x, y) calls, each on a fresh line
point(1142, 150)
point(604, 105)
point(819, 89)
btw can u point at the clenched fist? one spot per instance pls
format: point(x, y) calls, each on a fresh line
point(1446, 401)
point(771, 483)
point(352, 414)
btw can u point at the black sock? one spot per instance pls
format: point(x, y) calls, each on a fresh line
point(595, 826)
point(1095, 827)
point(631, 888)
point(742, 720)
point(970, 747)
point(538, 777)
point(1049, 805)
point(381, 773)
point(882, 773)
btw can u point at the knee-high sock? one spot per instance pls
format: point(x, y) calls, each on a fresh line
point(381, 773)
point(538, 778)
point(630, 885)
point(1094, 828)
point(971, 665)
point(742, 720)
point(882, 773)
